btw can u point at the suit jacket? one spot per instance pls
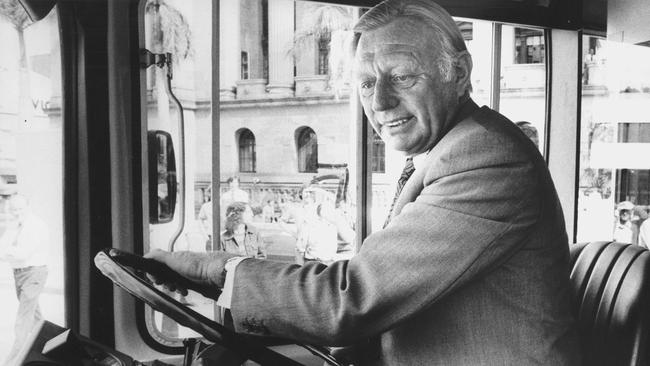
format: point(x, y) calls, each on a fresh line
point(473, 268)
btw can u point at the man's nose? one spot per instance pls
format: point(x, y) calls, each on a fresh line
point(384, 97)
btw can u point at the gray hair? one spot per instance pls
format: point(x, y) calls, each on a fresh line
point(427, 11)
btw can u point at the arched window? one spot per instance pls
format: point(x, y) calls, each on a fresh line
point(378, 154)
point(246, 151)
point(307, 147)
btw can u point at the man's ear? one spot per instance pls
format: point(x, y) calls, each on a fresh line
point(463, 72)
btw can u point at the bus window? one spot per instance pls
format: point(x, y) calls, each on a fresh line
point(614, 185)
point(31, 176)
point(478, 36)
point(287, 137)
point(523, 80)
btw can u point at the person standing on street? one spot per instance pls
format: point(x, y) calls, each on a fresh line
point(24, 246)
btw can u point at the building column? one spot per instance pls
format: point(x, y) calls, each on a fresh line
point(229, 48)
point(281, 29)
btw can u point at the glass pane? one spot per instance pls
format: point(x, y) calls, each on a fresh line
point(614, 191)
point(184, 29)
point(296, 103)
point(287, 138)
point(31, 176)
point(523, 80)
point(478, 39)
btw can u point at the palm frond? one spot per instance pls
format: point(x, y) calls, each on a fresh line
point(175, 35)
point(14, 13)
point(318, 22)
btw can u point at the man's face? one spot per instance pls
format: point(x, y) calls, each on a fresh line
point(403, 94)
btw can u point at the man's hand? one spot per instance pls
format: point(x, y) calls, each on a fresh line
point(204, 269)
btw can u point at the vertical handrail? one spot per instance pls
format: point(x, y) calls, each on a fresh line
point(181, 153)
point(147, 58)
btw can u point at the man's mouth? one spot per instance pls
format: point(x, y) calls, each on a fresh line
point(397, 122)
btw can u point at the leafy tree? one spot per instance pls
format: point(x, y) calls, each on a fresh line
point(13, 12)
point(168, 31)
point(326, 22)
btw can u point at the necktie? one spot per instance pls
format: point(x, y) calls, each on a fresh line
point(409, 168)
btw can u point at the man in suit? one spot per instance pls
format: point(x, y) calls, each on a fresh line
point(472, 267)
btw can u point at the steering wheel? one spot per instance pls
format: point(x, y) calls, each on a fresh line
point(127, 271)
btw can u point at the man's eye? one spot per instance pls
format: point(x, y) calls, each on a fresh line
point(367, 88)
point(403, 80)
point(367, 85)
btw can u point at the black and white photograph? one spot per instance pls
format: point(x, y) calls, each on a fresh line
point(340, 182)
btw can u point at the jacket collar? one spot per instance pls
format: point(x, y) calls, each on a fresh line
point(465, 109)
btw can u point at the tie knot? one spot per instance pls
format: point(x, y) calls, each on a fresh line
point(408, 169)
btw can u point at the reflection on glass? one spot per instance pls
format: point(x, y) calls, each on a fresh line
point(614, 187)
point(31, 177)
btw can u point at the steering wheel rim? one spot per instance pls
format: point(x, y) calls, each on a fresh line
point(143, 290)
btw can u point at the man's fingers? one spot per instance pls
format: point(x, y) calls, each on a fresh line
point(173, 287)
point(154, 279)
point(181, 290)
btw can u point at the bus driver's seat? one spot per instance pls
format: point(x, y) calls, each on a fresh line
point(611, 286)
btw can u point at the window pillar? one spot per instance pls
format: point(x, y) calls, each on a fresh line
point(281, 29)
point(229, 48)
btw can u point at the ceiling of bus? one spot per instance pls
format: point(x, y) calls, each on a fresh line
point(564, 14)
point(37, 9)
point(621, 20)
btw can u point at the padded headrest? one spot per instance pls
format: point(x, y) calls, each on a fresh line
point(610, 283)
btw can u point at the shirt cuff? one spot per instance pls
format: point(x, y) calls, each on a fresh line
point(226, 293)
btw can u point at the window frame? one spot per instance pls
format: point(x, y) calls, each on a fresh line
point(244, 63)
point(378, 157)
point(243, 158)
point(305, 153)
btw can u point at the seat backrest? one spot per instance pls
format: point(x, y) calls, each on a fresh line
point(611, 286)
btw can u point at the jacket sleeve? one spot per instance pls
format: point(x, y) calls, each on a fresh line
point(463, 223)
